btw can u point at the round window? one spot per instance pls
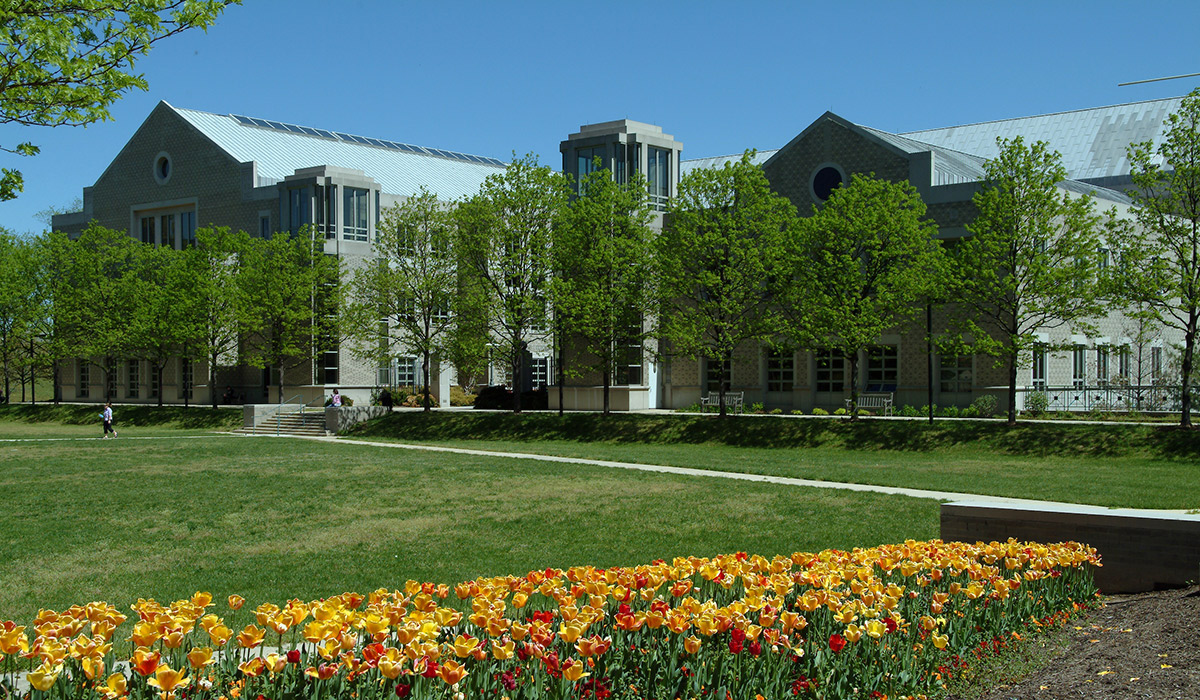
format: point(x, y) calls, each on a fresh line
point(825, 181)
point(162, 168)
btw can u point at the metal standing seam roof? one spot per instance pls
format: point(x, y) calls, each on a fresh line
point(279, 149)
point(687, 166)
point(1092, 142)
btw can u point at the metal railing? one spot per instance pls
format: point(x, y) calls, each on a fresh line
point(1114, 398)
point(277, 411)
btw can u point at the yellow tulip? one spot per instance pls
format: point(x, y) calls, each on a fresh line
point(167, 679)
point(275, 662)
point(876, 629)
point(44, 676)
point(13, 641)
point(200, 657)
point(253, 668)
point(853, 633)
point(236, 602)
point(201, 600)
point(451, 672)
point(692, 644)
point(250, 637)
point(144, 661)
point(463, 646)
point(502, 652)
point(92, 667)
point(940, 640)
point(114, 687)
point(220, 635)
point(572, 670)
point(391, 664)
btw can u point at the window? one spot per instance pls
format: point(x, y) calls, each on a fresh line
point(539, 369)
point(186, 377)
point(955, 373)
point(298, 210)
point(1156, 364)
point(883, 367)
point(355, 211)
point(111, 378)
point(620, 169)
point(716, 373)
point(330, 370)
point(82, 388)
point(406, 371)
point(781, 370)
point(825, 181)
point(1078, 367)
point(327, 211)
point(1123, 357)
point(167, 230)
point(1102, 365)
point(831, 371)
point(586, 163)
point(132, 374)
point(629, 365)
point(187, 229)
point(148, 230)
point(1039, 368)
point(153, 383)
point(658, 176)
point(264, 226)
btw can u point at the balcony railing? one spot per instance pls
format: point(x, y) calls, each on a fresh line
point(1115, 398)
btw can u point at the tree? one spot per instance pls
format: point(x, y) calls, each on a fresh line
point(291, 292)
point(1031, 261)
point(505, 241)
point(65, 62)
point(404, 298)
point(212, 290)
point(604, 252)
point(160, 323)
point(1158, 261)
point(859, 266)
point(718, 257)
point(17, 306)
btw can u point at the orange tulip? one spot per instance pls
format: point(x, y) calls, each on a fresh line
point(167, 679)
point(144, 661)
point(236, 602)
point(451, 672)
point(250, 637)
point(691, 644)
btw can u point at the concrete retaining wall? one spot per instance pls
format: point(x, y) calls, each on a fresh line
point(339, 419)
point(1140, 550)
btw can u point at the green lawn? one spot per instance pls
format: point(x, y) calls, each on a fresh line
point(83, 420)
point(1109, 465)
point(275, 518)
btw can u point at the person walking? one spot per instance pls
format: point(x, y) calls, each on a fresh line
point(107, 416)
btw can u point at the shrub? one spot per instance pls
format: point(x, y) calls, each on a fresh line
point(798, 412)
point(820, 412)
point(460, 397)
point(690, 408)
point(985, 405)
point(756, 407)
point(908, 411)
point(776, 411)
point(1036, 402)
point(840, 412)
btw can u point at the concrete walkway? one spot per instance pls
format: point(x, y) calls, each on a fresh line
point(783, 480)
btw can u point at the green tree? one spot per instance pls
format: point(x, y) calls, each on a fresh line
point(505, 242)
point(860, 265)
point(1031, 261)
point(161, 319)
point(213, 297)
point(404, 298)
point(291, 291)
point(718, 257)
point(17, 305)
point(1158, 261)
point(65, 62)
point(604, 292)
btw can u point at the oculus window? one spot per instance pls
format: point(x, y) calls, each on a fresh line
point(826, 180)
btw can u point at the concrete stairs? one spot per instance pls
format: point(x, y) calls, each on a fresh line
point(307, 424)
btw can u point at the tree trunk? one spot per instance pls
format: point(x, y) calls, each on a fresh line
point(161, 389)
point(607, 382)
point(562, 374)
point(1012, 388)
point(852, 361)
point(516, 378)
point(1189, 351)
point(54, 381)
point(425, 371)
point(721, 410)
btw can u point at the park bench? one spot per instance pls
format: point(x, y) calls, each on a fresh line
point(734, 400)
point(876, 398)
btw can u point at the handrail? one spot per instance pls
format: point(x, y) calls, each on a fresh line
point(278, 410)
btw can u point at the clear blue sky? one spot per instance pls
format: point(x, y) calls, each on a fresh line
point(496, 77)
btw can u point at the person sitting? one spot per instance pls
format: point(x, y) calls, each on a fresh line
point(385, 399)
point(337, 399)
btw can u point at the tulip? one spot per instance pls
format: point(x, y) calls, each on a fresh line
point(44, 677)
point(236, 602)
point(940, 640)
point(573, 671)
point(144, 661)
point(451, 672)
point(250, 637)
point(200, 657)
point(114, 687)
point(167, 679)
point(220, 635)
point(691, 644)
point(502, 652)
point(253, 668)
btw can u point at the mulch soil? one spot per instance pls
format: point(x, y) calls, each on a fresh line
point(1135, 646)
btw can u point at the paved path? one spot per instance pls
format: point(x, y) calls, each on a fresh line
point(785, 480)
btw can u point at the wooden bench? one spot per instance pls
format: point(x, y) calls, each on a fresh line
point(876, 402)
point(734, 400)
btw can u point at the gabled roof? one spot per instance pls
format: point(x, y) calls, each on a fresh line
point(687, 166)
point(279, 149)
point(1092, 142)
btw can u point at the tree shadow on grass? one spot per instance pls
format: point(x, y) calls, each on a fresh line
point(1033, 439)
point(190, 418)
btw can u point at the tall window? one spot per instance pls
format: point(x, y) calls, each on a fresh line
point(133, 375)
point(264, 226)
point(167, 230)
point(539, 368)
point(187, 229)
point(831, 371)
point(954, 374)
point(1123, 364)
point(586, 162)
point(186, 377)
point(1078, 368)
point(406, 371)
point(153, 384)
point(1156, 364)
point(716, 373)
point(781, 370)
point(883, 367)
point(1039, 368)
point(82, 388)
point(148, 230)
point(111, 384)
point(1102, 365)
point(629, 365)
point(658, 176)
point(329, 373)
point(355, 211)
point(327, 210)
point(298, 210)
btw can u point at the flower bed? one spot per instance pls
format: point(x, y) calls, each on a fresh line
point(891, 621)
